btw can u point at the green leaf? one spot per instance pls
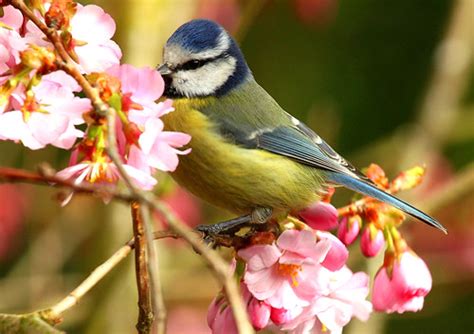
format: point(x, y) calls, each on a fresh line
point(25, 324)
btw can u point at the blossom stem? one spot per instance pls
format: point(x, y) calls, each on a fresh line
point(389, 239)
point(398, 241)
point(157, 299)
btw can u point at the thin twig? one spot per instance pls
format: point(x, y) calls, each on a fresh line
point(14, 175)
point(157, 299)
point(145, 308)
point(54, 313)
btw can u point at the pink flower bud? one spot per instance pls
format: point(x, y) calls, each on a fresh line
point(349, 229)
point(405, 289)
point(220, 318)
point(371, 241)
point(337, 256)
point(259, 313)
point(280, 316)
point(320, 216)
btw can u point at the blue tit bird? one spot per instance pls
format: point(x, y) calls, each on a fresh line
point(249, 156)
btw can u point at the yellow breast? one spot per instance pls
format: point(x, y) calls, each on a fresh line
point(233, 177)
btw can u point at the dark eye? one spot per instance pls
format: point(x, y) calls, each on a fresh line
point(192, 64)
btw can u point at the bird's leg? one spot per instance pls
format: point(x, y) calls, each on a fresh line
point(225, 226)
point(229, 227)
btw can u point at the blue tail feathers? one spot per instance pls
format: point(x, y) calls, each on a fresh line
point(368, 189)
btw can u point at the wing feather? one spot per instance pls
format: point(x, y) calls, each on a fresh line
point(290, 142)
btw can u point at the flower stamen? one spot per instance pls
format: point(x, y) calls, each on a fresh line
point(290, 270)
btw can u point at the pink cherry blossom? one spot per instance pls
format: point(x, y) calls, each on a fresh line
point(320, 216)
point(343, 297)
point(371, 241)
point(285, 274)
point(161, 147)
point(92, 30)
point(58, 110)
point(158, 148)
point(349, 229)
point(405, 289)
point(143, 86)
point(104, 172)
point(337, 256)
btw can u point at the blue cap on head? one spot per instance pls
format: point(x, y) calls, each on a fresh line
point(197, 35)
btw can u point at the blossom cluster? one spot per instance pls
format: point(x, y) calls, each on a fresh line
point(297, 280)
point(41, 104)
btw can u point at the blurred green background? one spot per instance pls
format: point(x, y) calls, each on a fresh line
point(390, 82)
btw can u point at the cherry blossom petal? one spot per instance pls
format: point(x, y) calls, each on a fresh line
point(97, 58)
point(137, 159)
point(304, 244)
point(91, 24)
point(12, 17)
point(259, 257)
point(337, 255)
point(67, 139)
point(12, 126)
point(47, 128)
point(145, 84)
point(141, 179)
point(175, 139)
point(59, 79)
point(153, 128)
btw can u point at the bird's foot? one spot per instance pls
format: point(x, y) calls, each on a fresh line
point(229, 227)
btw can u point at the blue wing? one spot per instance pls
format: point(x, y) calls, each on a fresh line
point(314, 152)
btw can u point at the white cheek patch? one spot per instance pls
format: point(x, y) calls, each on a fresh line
point(205, 80)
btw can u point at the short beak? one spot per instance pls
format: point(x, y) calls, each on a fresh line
point(163, 69)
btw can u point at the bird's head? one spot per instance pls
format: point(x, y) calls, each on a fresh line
point(201, 59)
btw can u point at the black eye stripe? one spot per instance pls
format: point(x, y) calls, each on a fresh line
point(196, 63)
